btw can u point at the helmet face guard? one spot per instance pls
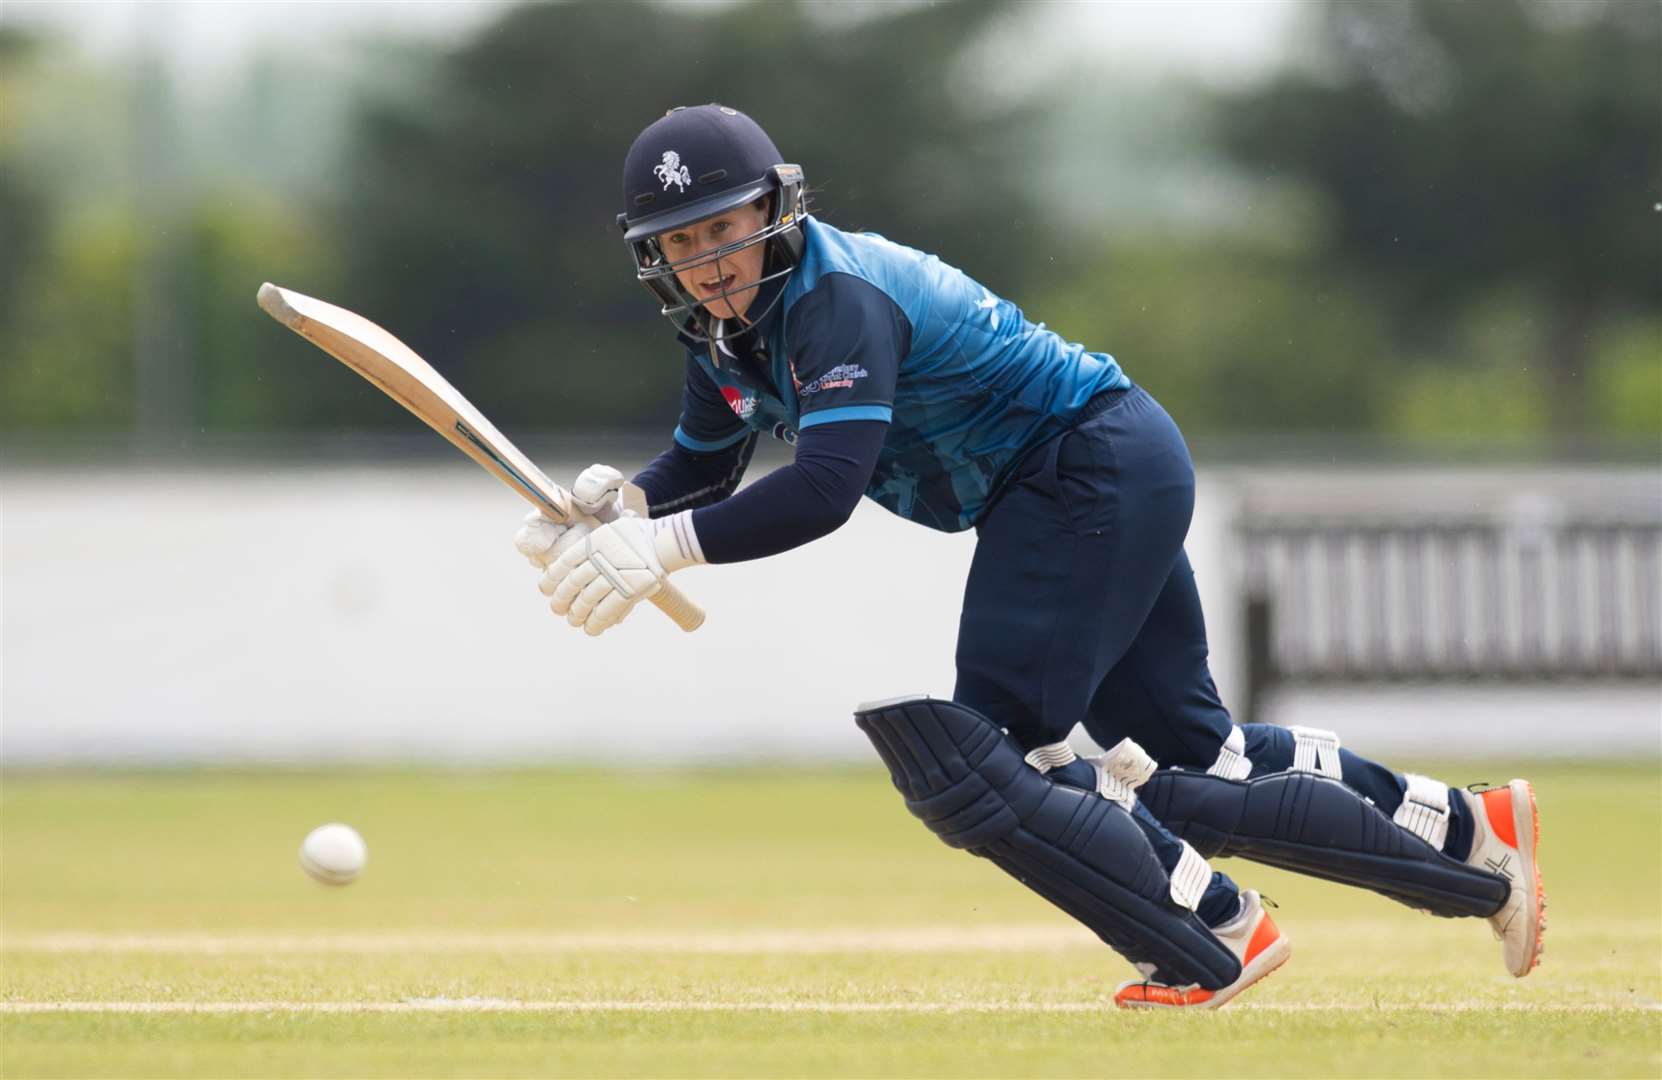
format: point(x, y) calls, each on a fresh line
point(782, 236)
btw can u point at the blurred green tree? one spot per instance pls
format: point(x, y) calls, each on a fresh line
point(65, 278)
point(66, 349)
point(22, 206)
point(1465, 151)
point(478, 220)
point(1627, 384)
point(252, 376)
point(1234, 339)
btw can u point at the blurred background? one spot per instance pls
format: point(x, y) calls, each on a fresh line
point(1396, 269)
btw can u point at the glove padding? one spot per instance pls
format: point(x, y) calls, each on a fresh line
point(596, 583)
point(542, 540)
point(596, 492)
point(599, 492)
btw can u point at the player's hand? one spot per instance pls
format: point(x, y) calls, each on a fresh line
point(599, 492)
point(596, 583)
point(542, 540)
point(596, 492)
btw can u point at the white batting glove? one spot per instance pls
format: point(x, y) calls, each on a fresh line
point(595, 584)
point(596, 492)
point(542, 540)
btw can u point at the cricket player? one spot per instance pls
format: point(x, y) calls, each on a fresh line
point(897, 377)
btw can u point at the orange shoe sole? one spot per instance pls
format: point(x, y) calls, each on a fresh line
point(1266, 957)
point(1533, 831)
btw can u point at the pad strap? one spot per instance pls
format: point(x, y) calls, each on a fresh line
point(1121, 771)
point(1189, 878)
point(1232, 763)
point(1424, 810)
point(1316, 751)
point(1051, 756)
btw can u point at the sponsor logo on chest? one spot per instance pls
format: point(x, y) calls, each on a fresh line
point(742, 404)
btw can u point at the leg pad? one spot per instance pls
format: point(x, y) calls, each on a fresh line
point(966, 780)
point(1316, 825)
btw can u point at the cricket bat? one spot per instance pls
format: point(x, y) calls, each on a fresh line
point(411, 381)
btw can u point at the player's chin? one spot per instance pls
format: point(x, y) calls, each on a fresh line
point(732, 306)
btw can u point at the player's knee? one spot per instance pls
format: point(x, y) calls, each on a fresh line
point(957, 772)
point(1060, 825)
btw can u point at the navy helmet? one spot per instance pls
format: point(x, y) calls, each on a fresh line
point(691, 164)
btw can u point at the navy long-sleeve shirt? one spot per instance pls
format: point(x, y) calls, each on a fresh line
point(787, 508)
point(892, 373)
point(846, 326)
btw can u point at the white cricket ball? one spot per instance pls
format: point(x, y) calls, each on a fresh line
point(333, 854)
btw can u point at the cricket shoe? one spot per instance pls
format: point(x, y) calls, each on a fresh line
point(1254, 939)
point(1505, 835)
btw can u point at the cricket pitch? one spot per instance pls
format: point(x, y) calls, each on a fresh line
point(739, 923)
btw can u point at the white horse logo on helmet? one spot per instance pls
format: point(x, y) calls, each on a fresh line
point(671, 171)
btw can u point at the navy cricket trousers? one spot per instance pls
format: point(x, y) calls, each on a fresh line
point(1081, 606)
point(1079, 589)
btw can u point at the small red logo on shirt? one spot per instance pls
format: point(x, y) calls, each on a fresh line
point(741, 403)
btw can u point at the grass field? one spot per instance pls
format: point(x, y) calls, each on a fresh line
point(740, 923)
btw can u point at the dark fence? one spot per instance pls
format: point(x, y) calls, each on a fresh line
point(1348, 601)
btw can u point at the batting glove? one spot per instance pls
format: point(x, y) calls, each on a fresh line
point(542, 540)
point(596, 492)
point(596, 583)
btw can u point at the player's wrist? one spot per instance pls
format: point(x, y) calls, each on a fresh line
point(675, 542)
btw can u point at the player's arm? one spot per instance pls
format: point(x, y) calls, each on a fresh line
point(795, 505)
point(708, 458)
point(848, 339)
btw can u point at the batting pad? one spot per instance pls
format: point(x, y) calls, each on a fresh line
point(1316, 825)
point(965, 779)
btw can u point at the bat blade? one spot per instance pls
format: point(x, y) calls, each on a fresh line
point(405, 377)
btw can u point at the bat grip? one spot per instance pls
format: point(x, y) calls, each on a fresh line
point(674, 603)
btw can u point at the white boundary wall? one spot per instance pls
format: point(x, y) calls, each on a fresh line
point(318, 614)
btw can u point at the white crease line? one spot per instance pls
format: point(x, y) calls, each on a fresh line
point(926, 939)
point(469, 1005)
point(501, 1005)
point(921, 940)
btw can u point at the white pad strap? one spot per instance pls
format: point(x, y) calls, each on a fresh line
point(1053, 756)
point(1424, 810)
point(1232, 763)
point(1189, 878)
point(1121, 771)
point(1317, 751)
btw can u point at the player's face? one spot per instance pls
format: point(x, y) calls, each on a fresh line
point(734, 275)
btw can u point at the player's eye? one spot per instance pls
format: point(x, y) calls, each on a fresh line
point(719, 227)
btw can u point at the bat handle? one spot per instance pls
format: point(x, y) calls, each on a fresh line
point(674, 603)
